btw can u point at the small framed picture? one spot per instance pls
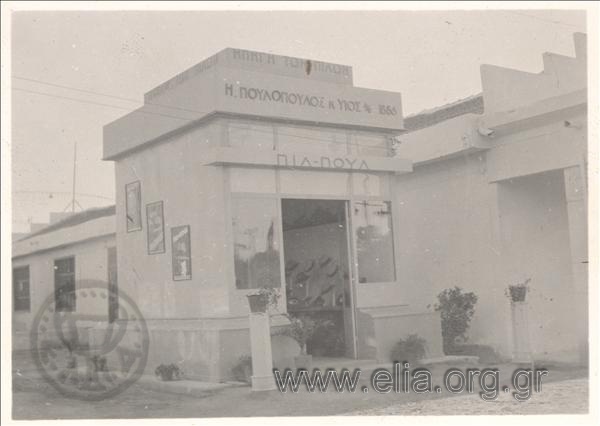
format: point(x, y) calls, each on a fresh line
point(133, 206)
point(155, 224)
point(182, 253)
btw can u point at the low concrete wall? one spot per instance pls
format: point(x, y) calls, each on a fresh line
point(205, 349)
point(379, 329)
point(208, 349)
point(25, 340)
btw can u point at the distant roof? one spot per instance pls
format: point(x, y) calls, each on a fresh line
point(75, 219)
point(471, 105)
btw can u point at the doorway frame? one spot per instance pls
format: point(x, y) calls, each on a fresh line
point(350, 253)
point(350, 197)
point(353, 269)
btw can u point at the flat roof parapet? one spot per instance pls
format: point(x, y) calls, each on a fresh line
point(261, 62)
point(258, 85)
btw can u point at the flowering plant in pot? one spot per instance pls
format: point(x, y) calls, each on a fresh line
point(265, 298)
point(302, 328)
point(517, 292)
point(456, 309)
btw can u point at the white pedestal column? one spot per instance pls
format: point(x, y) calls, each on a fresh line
point(262, 358)
point(520, 328)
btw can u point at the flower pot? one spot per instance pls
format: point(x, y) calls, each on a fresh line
point(518, 294)
point(303, 362)
point(258, 303)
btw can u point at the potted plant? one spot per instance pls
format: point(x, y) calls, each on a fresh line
point(456, 310)
point(517, 292)
point(261, 301)
point(328, 340)
point(301, 328)
point(169, 372)
point(411, 349)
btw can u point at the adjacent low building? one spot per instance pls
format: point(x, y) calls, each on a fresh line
point(498, 195)
point(53, 261)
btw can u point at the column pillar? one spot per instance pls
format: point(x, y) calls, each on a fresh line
point(500, 319)
point(520, 330)
point(262, 357)
point(576, 197)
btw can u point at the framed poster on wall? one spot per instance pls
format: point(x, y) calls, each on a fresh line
point(182, 253)
point(156, 227)
point(133, 206)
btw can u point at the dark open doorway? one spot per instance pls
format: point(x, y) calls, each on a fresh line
point(317, 273)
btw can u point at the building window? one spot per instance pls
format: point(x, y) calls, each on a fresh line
point(64, 284)
point(133, 206)
point(372, 221)
point(256, 243)
point(22, 300)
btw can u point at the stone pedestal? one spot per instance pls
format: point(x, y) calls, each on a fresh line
point(262, 358)
point(520, 329)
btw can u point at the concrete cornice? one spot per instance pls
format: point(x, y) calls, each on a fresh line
point(98, 228)
point(536, 114)
point(299, 160)
point(444, 140)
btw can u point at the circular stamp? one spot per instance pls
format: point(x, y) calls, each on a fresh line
point(79, 352)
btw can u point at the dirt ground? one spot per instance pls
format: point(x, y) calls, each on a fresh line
point(568, 396)
point(565, 391)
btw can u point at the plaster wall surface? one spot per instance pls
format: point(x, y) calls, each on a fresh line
point(91, 259)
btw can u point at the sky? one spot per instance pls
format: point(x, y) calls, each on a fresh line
point(74, 72)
